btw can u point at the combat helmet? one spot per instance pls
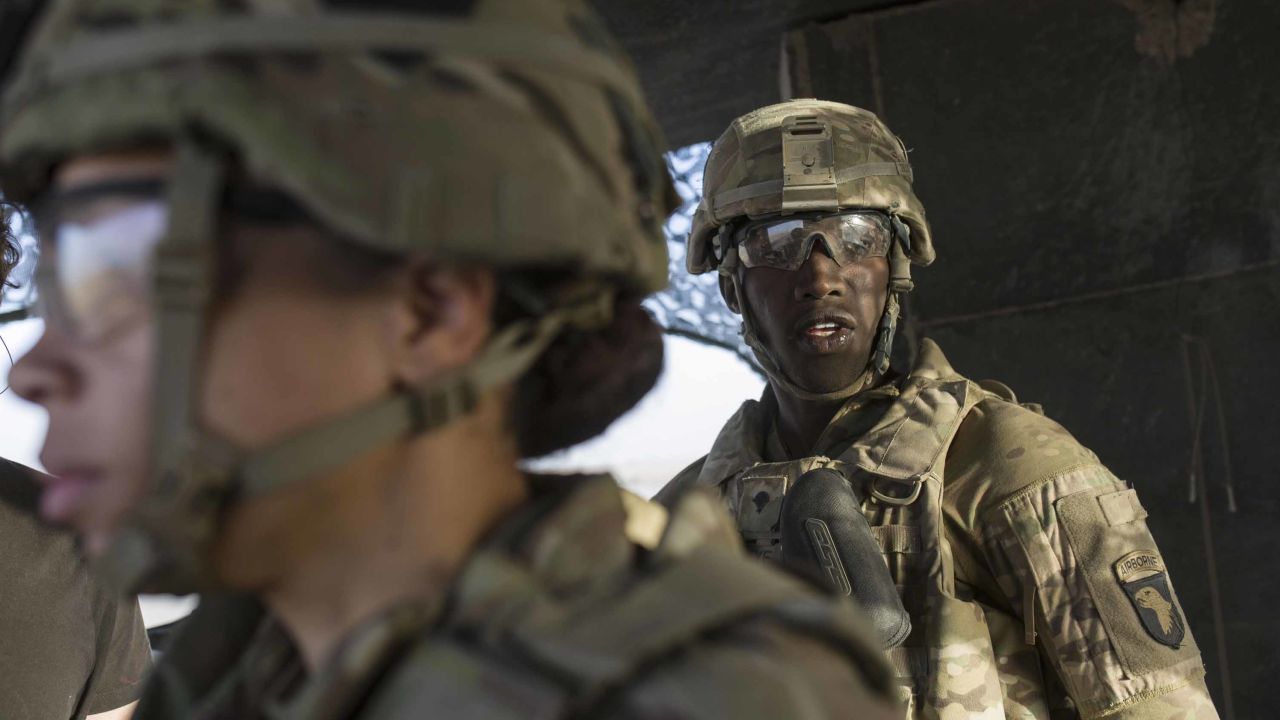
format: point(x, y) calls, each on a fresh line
point(507, 133)
point(806, 156)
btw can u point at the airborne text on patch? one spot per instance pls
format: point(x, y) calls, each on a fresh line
point(1137, 563)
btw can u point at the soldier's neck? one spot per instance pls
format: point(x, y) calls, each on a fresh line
point(397, 531)
point(801, 422)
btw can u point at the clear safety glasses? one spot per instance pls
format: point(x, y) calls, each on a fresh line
point(96, 247)
point(785, 243)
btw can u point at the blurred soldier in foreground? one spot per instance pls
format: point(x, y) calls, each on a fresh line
point(316, 276)
point(70, 646)
point(1034, 586)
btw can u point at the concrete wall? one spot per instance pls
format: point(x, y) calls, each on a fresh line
point(1103, 177)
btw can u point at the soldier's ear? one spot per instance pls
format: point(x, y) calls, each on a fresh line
point(729, 291)
point(441, 319)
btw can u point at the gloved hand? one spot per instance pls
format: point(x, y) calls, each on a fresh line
point(826, 536)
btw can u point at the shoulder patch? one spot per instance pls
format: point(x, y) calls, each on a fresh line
point(1142, 575)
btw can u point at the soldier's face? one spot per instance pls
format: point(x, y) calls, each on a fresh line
point(95, 392)
point(819, 321)
point(280, 354)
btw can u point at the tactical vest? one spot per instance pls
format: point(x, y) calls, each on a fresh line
point(577, 661)
point(897, 471)
point(586, 667)
point(514, 647)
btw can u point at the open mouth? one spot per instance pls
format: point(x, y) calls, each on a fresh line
point(823, 329)
point(826, 333)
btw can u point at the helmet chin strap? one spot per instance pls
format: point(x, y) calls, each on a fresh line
point(166, 542)
point(162, 541)
point(878, 364)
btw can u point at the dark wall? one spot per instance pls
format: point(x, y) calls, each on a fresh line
point(704, 63)
point(1103, 178)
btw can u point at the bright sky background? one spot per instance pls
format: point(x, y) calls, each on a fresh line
point(675, 424)
point(22, 425)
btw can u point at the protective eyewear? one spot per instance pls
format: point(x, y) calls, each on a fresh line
point(785, 243)
point(97, 248)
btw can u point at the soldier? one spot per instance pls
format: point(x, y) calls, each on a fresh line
point(316, 275)
point(1034, 586)
point(70, 646)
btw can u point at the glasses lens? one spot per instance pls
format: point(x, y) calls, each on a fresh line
point(862, 235)
point(778, 244)
point(786, 244)
point(95, 279)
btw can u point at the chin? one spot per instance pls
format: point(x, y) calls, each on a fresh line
point(817, 381)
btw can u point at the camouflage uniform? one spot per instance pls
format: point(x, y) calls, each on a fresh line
point(505, 134)
point(1034, 586)
point(557, 615)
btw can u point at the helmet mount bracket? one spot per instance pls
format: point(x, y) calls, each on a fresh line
point(808, 166)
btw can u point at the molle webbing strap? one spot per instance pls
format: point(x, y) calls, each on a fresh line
point(113, 51)
point(607, 647)
point(897, 538)
point(774, 187)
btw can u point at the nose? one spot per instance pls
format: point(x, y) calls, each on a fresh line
point(819, 276)
point(40, 376)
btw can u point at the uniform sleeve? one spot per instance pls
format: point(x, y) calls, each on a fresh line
point(1075, 558)
point(123, 655)
point(762, 671)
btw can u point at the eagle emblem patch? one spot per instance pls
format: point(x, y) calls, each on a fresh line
point(1143, 577)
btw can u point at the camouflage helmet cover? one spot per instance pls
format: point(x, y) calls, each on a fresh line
point(514, 135)
point(744, 177)
point(507, 133)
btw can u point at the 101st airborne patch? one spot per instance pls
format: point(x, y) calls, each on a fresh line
point(1142, 575)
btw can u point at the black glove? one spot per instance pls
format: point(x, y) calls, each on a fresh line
point(826, 536)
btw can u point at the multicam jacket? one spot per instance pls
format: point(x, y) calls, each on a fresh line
point(1034, 585)
point(559, 615)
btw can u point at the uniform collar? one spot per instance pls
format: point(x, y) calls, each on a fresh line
point(571, 537)
point(932, 394)
point(571, 534)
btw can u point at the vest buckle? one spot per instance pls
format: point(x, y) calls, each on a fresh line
point(916, 485)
